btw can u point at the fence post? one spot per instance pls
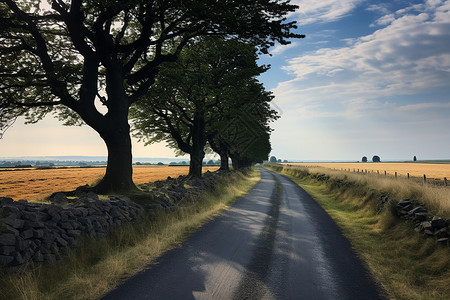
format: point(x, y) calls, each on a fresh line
point(395, 174)
point(384, 172)
point(378, 171)
point(424, 178)
point(445, 181)
point(408, 175)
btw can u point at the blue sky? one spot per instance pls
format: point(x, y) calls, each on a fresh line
point(370, 78)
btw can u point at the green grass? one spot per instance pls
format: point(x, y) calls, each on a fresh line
point(407, 265)
point(96, 266)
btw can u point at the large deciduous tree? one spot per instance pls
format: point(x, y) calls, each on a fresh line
point(192, 96)
point(68, 58)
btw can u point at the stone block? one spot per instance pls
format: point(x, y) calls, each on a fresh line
point(35, 216)
point(92, 196)
point(5, 260)
point(9, 211)
point(418, 209)
point(14, 221)
point(59, 198)
point(438, 222)
point(74, 233)
point(6, 200)
point(26, 234)
point(7, 250)
point(441, 233)
point(425, 226)
point(43, 250)
point(20, 244)
point(67, 226)
point(9, 229)
point(429, 232)
point(38, 233)
point(33, 224)
point(420, 217)
point(75, 224)
point(7, 239)
point(61, 242)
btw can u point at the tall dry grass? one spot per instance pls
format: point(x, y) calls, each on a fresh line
point(436, 198)
point(438, 171)
point(405, 263)
point(35, 184)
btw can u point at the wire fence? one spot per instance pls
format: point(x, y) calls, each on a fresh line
point(424, 179)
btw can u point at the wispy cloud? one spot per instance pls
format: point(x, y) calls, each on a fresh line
point(382, 93)
point(278, 49)
point(409, 55)
point(324, 11)
point(379, 8)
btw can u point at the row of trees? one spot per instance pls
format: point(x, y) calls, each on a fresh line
point(209, 98)
point(78, 54)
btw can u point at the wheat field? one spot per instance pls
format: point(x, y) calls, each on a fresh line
point(34, 184)
point(438, 171)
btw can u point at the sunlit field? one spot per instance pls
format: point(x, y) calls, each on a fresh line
point(32, 184)
point(438, 171)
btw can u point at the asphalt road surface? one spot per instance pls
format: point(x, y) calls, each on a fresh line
point(268, 245)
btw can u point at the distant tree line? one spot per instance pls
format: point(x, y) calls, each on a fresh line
point(375, 158)
point(188, 67)
point(273, 159)
point(49, 163)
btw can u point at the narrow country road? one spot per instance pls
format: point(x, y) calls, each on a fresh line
point(268, 245)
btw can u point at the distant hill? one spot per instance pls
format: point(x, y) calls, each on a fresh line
point(90, 159)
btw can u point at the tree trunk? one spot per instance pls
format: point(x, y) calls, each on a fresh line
point(222, 150)
point(119, 171)
point(198, 145)
point(196, 164)
point(235, 161)
point(115, 131)
point(224, 162)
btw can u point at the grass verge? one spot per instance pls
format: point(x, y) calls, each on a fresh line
point(406, 264)
point(96, 266)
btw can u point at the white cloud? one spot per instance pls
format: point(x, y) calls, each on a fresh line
point(278, 49)
point(423, 106)
point(365, 95)
point(408, 56)
point(384, 20)
point(324, 11)
point(380, 8)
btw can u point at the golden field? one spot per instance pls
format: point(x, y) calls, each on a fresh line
point(438, 171)
point(33, 184)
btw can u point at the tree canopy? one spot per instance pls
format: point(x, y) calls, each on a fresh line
point(193, 100)
point(81, 54)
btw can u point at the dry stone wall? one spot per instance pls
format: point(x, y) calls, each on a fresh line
point(407, 209)
point(41, 232)
point(429, 225)
point(33, 232)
